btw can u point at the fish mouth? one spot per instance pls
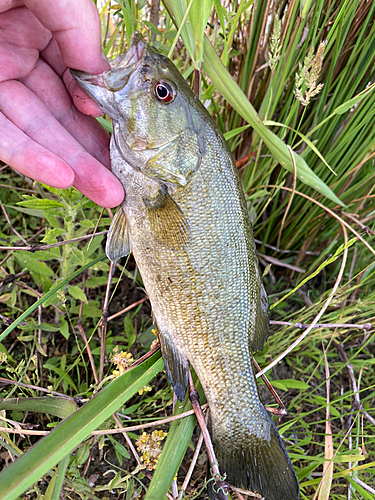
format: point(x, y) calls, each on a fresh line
point(118, 76)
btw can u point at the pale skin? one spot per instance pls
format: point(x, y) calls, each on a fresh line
point(45, 130)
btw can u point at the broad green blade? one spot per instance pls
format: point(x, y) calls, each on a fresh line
point(59, 407)
point(39, 459)
point(178, 439)
point(178, 8)
point(229, 89)
point(199, 14)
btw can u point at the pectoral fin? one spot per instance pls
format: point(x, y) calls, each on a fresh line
point(118, 239)
point(176, 366)
point(177, 161)
point(167, 221)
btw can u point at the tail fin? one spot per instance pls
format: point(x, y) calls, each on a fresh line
point(259, 465)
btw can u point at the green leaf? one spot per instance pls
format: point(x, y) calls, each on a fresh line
point(199, 14)
point(120, 450)
point(49, 295)
point(86, 223)
point(59, 407)
point(234, 132)
point(53, 493)
point(39, 459)
point(128, 16)
point(52, 254)
point(64, 328)
point(152, 27)
point(40, 204)
point(359, 489)
point(304, 138)
point(77, 292)
point(62, 374)
point(30, 262)
point(346, 106)
point(27, 211)
point(286, 384)
point(229, 89)
point(105, 124)
point(178, 9)
point(51, 235)
point(178, 439)
point(317, 271)
point(79, 255)
point(90, 310)
point(51, 487)
point(47, 327)
point(98, 281)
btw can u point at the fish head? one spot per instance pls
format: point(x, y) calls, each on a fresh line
point(145, 95)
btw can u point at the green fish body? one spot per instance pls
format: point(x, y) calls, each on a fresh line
point(184, 218)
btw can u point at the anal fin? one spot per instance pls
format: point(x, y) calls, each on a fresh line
point(118, 239)
point(176, 366)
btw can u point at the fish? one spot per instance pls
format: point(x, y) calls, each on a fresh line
point(185, 219)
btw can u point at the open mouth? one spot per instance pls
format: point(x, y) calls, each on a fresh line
point(121, 68)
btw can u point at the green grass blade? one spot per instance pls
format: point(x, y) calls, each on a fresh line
point(174, 450)
point(229, 89)
point(199, 14)
point(48, 295)
point(178, 9)
point(59, 407)
point(304, 138)
point(39, 459)
point(54, 488)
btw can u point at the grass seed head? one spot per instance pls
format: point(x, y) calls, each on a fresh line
point(275, 46)
point(307, 76)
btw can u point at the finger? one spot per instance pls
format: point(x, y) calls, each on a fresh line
point(76, 28)
point(51, 54)
point(31, 159)
point(19, 54)
point(46, 85)
point(30, 115)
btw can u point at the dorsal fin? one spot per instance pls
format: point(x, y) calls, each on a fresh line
point(118, 239)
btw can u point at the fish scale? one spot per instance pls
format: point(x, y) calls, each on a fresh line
point(185, 220)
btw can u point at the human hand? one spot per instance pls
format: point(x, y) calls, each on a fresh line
point(44, 131)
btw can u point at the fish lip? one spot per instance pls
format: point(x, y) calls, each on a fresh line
point(125, 63)
point(82, 77)
point(133, 55)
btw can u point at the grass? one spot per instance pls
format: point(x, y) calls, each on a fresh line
point(56, 346)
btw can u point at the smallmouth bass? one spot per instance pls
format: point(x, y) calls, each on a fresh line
point(185, 220)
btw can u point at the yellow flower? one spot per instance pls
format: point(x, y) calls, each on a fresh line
point(145, 388)
point(150, 447)
point(123, 360)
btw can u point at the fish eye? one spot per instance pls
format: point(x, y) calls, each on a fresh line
point(164, 92)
